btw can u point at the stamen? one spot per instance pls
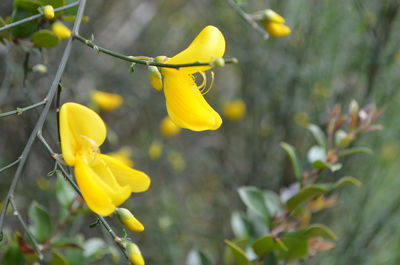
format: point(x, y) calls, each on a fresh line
point(208, 88)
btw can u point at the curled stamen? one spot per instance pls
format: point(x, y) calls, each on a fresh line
point(206, 89)
point(91, 146)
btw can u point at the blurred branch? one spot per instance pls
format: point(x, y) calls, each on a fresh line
point(147, 62)
point(246, 17)
point(25, 20)
point(19, 111)
point(10, 165)
point(42, 118)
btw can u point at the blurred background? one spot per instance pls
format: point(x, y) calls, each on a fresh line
point(339, 50)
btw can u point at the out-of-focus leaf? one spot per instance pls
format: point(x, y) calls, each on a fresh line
point(316, 153)
point(71, 18)
point(42, 226)
point(58, 259)
point(253, 198)
point(318, 134)
point(240, 225)
point(293, 159)
point(45, 38)
point(24, 30)
point(273, 203)
point(29, 5)
point(54, 3)
point(71, 11)
point(64, 192)
point(346, 181)
point(355, 150)
point(95, 249)
point(305, 194)
point(238, 254)
point(297, 247)
point(266, 244)
point(318, 230)
point(13, 256)
point(197, 257)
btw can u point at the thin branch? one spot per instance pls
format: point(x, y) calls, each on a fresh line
point(145, 62)
point(19, 111)
point(10, 165)
point(42, 118)
point(25, 226)
point(25, 20)
point(246, 17)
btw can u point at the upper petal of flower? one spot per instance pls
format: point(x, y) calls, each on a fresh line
point(78, 123)
point(137, 180)
point(206, 47)
point(186, 105)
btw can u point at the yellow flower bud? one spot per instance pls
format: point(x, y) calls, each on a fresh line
point(62, 31)
point(277, 29)
point(155, 78)
point(48, 12)
point(155, 150)
point(272, 16)
point(168, 128)
point(128, 220)
point(106, 101)
point(234, 110)
point(134, 254)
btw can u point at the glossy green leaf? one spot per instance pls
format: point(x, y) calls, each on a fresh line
point(45, 38)
point(316, 153)
point(305, 194)
point(54, 3)
point(64, 192)
point(273, 203)
point(297, 247)
point(238, 254)
point(13, 256)
point(197, 257)
point(267, 244)
point(42, 226)
point(293, 159)
point(346, 181)
point(240, 225)
point(253, 198)
point(318, 230)
point(71, 11)
point(355, 150)
point(29, 5)
point(26, 29)
point(318, 134)
point(58, 259)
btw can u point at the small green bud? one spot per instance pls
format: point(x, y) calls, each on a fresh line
point(220, 62)
point(155, 78)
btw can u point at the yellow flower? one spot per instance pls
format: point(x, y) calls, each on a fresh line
point(124, 155)
point(106, 101)
point(155, 150)
point(186, 105)
point(128, 220)
point(104, 181)
point(275, 24)
point(168, 128)
point(48, 12)
point(62, 31)
point(234, 110)
point(134, 254)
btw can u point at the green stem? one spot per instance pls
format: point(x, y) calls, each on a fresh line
point(145, 62)
point(10, 165)
point(21, 110)
point(25, 20)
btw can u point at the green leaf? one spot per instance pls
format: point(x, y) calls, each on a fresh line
point(240, 225)
point(318, 134)
point(267, 244)
point(273, 203)
point(24, 30)
point(355, 150)
point(305, 194)
point(318, 230)
point(346, 181)
point(58, 259)
point(297, 247)
point(45, 38)
point(64, 192)
point(54, 3)
point(293, 159)
point(13, 256)
point(316, 153)
point(253, 198)
point(29, 5)
point(238, 254)
point(42, 226)
point(71, 11)
point(197, 257)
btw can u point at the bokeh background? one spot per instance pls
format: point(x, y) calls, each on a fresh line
point(339, 50)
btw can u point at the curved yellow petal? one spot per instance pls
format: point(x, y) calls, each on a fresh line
point(186, 105)
point(206, 47)
point(137, 180)
point(78, 124)
point(277, 29)
point(92, 191)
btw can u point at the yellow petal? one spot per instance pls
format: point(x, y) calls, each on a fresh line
point(186, 105)
point(137, 180)
point(106, 101)
point(277, 29)
point(206, 47)
point(78, 124)
point(92, 191)
point(124, 155)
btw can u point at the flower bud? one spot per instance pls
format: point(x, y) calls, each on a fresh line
point(48, 12)
point(128, 220)
point(62, 31)
point(155, 78)
point(160, 59)
point(234, 110)
point(220, 62)
point(134, 254)
point(272, 16)
point(343, 139)
point(155, 150)
point(168, 128)
point(277, 29)
point(39, 68)
point(106, 101)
